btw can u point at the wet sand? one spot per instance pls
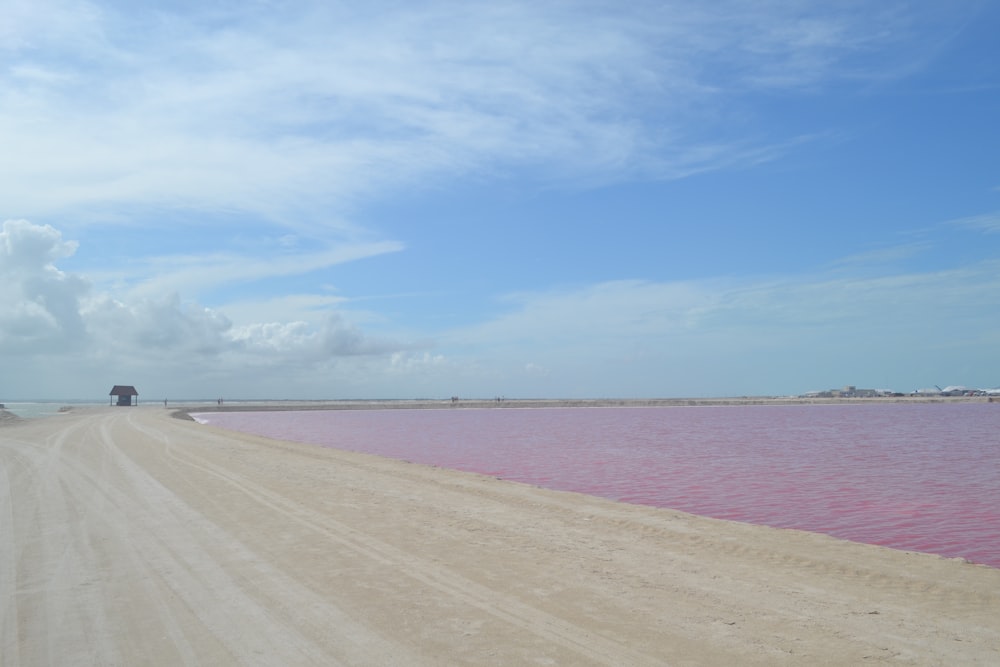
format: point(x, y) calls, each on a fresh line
point(131, 537)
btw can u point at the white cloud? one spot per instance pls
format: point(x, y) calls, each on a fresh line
point(534, 369)
point(188, 274)
point(588, 314)
point(155, 327)
point(40, 303)
point(988, 223)
point(25, 247)
point(618, 338)
point(881, 256)
point(633, 338)
point(275, 337)
point(291, 114)
point(409, 363)
point(194, 116)
point(287, 308)
point(50, 316)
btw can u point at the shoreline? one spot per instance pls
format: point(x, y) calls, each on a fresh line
point(861, 514)
point(136, 538)
point(183, 408)
point(264, 405)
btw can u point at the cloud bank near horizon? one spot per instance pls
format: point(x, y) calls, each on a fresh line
point(702, 334)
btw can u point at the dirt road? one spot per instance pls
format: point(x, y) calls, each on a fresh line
point(128, 537)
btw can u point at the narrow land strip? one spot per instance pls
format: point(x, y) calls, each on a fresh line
point(133, 538)
point(476, 403)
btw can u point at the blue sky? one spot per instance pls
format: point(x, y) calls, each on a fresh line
point(555, 199)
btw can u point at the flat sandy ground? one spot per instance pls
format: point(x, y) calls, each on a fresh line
point(128, 537)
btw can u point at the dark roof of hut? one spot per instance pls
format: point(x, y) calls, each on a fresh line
point(123, 390)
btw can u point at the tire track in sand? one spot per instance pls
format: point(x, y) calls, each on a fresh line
point(9, 621)
point(507, 608)
point(219, 580)
point(53, 597)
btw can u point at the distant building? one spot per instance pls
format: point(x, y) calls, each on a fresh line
point(848, 391)
point(124, 392)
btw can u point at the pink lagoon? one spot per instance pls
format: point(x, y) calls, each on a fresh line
point(920, 477)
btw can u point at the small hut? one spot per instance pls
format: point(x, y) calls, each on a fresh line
point(124, 393)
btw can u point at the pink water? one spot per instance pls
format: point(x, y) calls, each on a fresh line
point(920, 477)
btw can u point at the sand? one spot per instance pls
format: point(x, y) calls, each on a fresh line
point(129, 537)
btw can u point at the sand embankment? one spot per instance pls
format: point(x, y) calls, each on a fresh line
point(129, 537)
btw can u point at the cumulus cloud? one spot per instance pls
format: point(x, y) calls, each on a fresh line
point(334, 337)
point(275, 337)
point(40, 303)
point(158, 326)
point(627, 337)
point(48, 313)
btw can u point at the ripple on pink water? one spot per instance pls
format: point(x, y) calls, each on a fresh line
point(921, 477)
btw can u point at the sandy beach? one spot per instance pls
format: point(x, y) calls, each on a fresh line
point(128, 536)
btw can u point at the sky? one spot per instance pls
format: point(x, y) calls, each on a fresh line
point(321, 200)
